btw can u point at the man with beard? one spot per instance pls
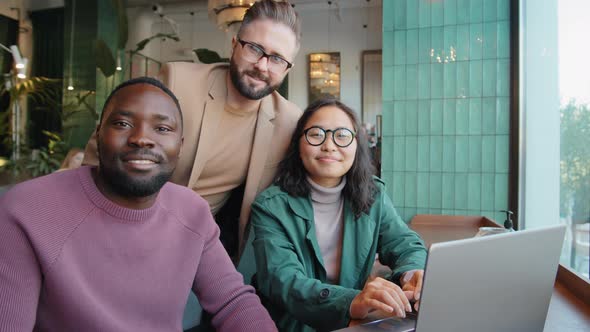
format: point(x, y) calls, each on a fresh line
point(113, 247)
point(237, 126)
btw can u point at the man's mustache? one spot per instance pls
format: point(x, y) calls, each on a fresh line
point(258, 75)
point(142, 153)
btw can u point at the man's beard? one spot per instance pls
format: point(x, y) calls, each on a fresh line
point(247, 91)
point(126, 185)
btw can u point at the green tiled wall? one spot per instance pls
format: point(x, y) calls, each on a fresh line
point(445, 106)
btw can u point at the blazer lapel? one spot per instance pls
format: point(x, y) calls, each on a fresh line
point(260, 149)
point(357, 241)
point(214, 107)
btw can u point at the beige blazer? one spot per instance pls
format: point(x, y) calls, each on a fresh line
point(202, 92)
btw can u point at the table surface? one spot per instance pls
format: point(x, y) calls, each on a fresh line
point(566, 312)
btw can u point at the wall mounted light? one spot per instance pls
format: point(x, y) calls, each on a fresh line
point(119, 67)
point(20, 63)
point(71, 53)
point(70, 84)
point(18, 59)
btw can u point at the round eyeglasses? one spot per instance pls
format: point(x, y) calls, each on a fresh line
point(342, 137)
point(253, 53)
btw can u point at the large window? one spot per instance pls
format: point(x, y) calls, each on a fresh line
point(555, 122)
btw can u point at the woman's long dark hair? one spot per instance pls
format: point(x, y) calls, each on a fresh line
point(359, 189)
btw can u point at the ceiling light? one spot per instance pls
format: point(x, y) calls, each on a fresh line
point(227, 12)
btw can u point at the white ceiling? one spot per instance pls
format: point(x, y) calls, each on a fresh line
point(342, 3)
point(41, 4)
point(137, 3)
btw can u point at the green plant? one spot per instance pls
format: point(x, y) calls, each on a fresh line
point(105, 60)
point(33, 163)
point(208, 56)
point(42, 90)
point(80, 103)
point(142, 44)
point(41, 162)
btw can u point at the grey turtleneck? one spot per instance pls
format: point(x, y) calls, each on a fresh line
point(328, 218)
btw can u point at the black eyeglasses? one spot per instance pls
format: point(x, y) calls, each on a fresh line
point(342, 137)
point(253, 53)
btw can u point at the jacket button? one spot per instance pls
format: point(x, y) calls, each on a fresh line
point(324, 293)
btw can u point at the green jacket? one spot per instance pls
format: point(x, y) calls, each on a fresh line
point(291, 278)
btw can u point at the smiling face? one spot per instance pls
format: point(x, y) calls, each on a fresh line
point(139, 141)
point(327, 163)
point(255, 80)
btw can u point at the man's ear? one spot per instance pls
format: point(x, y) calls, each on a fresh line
point(97, 137)
point(234, 40)
point(289, 70)
point(181, 145)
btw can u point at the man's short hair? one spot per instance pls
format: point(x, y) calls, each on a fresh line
point(142, 80)
point(277, 11)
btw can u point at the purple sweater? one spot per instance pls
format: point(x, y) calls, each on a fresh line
point(71, 260)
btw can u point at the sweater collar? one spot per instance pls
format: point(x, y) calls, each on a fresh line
point(103, 203)
point(323, 195)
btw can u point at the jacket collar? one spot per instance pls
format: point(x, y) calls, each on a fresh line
point(301, 206)
point(217, 86)
point(357, 242)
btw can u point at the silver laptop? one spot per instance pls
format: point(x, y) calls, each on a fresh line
point(501, 282)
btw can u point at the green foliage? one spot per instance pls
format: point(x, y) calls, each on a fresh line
point(207, 56)
point(42, 90)
point(44, 163)
point(79, 104)
point(34, 163)
point(105, 61)
point(142, 44)
point(575, 161)
point(5, 128)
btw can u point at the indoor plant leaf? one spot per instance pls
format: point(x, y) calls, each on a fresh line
point(105, 60)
